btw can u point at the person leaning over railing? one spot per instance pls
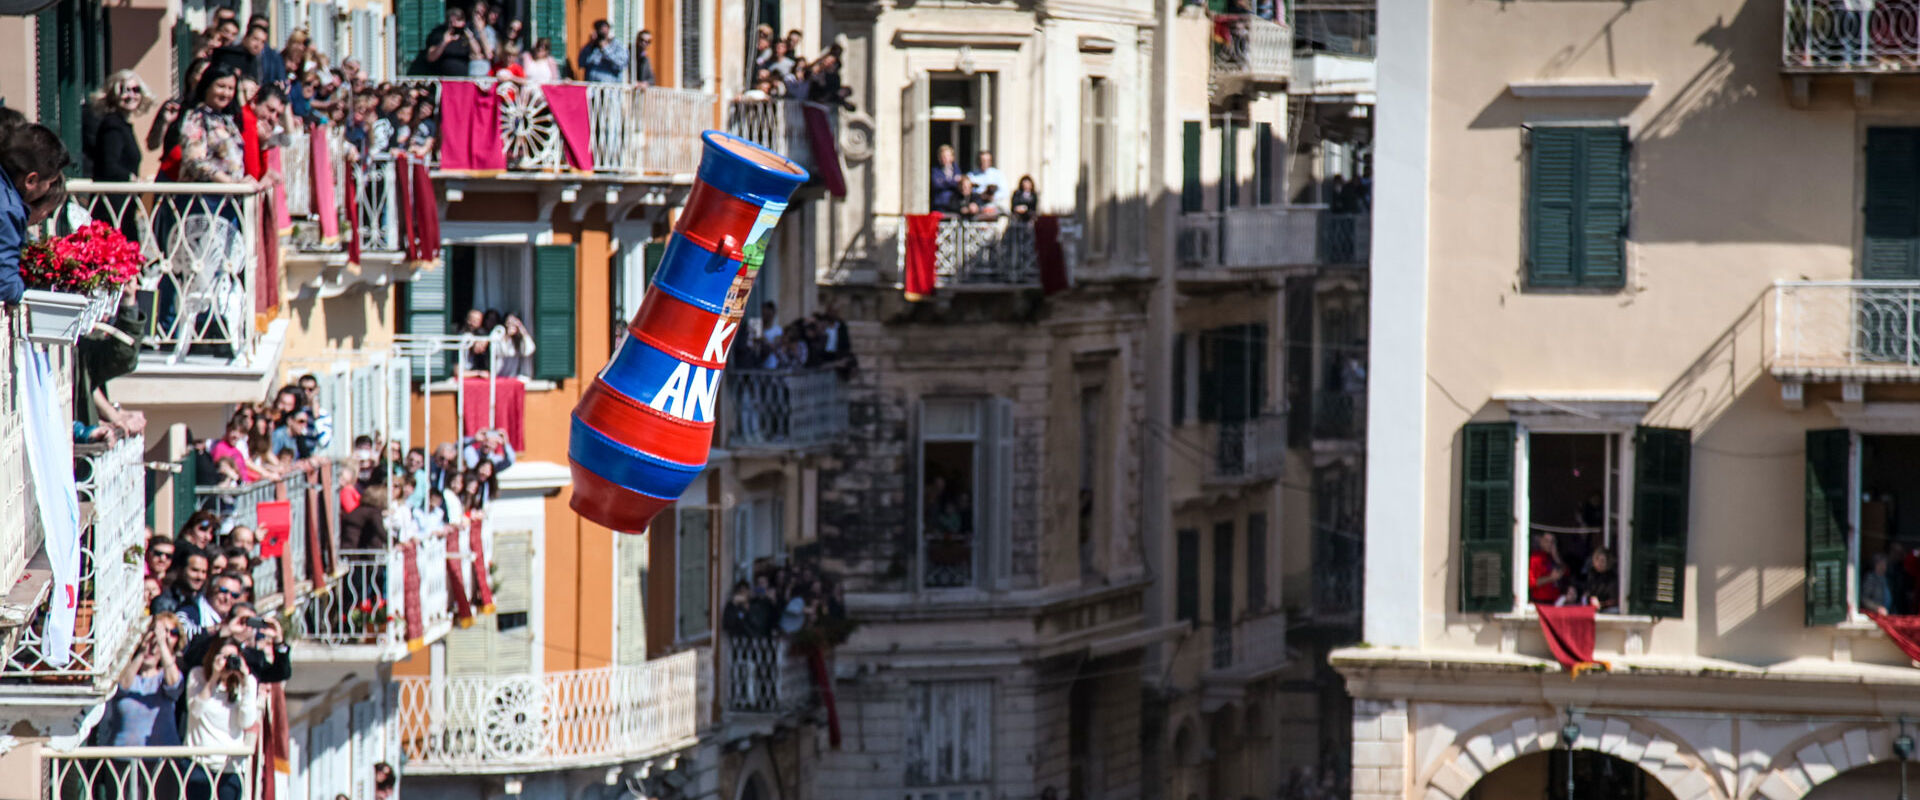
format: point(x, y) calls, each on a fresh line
point(31, 184)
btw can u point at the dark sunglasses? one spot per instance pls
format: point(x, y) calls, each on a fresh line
point(163, 553)
point(229, 592)
point(203, 525)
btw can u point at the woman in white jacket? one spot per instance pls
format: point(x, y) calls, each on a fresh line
point(223, 704)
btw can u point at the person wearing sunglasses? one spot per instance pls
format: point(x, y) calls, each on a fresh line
point(262, 644)
point(213, 605)
point(141, 713)
point(159, 556)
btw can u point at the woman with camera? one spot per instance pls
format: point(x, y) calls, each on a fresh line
point(223, 701)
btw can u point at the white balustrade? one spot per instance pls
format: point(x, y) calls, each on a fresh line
point(635, 130)
point(1851, 35)
point(784, 408)
point(202, 247)
point(514, 723)
point(764, 675)
point(1255, 50)
point(90, 773)
point(1841, 329)
point(780, 125)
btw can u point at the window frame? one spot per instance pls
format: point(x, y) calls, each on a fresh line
point(1619, 488)
point(1579, 282)
point(982, 694)
point(978, 439)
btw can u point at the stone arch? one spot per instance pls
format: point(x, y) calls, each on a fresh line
point(1820, 756)
point(1492, 744)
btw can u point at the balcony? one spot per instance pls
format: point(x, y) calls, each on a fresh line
point(784, 127)
point(374, 188)
point(1340, 415)
point(634, 131)
point(983, 254)
point(111, 482)
point(1853, 331)
point(1337, 570)
point(764, 676)
point(496, 724)
point(1249, 450)
point(91, 773)
point(1334, 77)
point(1851, 36)
point(367, 392)
point(1247, 649)
point(784, 410)
point(283, 575)
point(362, 617)
point(1250, 53)
point(1273, 236)
point(203, 289)
point(1343, 238)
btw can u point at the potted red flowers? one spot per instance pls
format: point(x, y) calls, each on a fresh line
point(74, 281)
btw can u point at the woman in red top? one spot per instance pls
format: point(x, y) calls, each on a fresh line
point(1544, 571)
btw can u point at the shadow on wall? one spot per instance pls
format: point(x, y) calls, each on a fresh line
point(1685, 162)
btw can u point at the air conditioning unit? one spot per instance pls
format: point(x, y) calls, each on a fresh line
point(1197, 245)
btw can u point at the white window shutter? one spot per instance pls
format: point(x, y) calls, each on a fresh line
point(630, 633)
point(916, 149)
point(998, 483)
point(694, 619)
point(513, 650)
point(399, 372)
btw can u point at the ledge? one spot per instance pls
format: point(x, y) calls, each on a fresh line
point(449, 385)
point(1581, 89)
point(535, 476)
point(1599, 620)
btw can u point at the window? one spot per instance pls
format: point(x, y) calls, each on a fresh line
point(949, 733)
point(966, 485)
point(1223, 559)
point(960, 108)
point(537, 283)
point(1233, 368)
point(632, 274)
point(1866, 479)
point(71, 37)
point(1186, 581)
point(693, 618)
point(1266, 163)
point(757, 534)
point(1578, 192)
point(1229, 162)
point(1892, 206)
point(1575, 492)
point(1192, 197)
point(1096, 163)
point(1256, 562)
point(1093, 403)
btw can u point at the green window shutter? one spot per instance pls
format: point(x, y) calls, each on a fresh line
point(1662, 461)
point(694, 618)
point(1577, 207)
point(655, 251)
point(413, 19)
point(1829, 454)
point(1265, 164)
point(1229, 165)
point(424, 309)
point(182, 56)
point(1211, 357)
point(1256, 562)
point(1223, 573)
point(1179, 379)
point(1192, 197)
point(184, 499)
point(553, 311)
point(1187, 576)
point(1486, 517)
point(1893, 205)
point(550, 20)
point(1552, 207)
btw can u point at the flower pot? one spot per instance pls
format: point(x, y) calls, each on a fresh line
point(63, 317)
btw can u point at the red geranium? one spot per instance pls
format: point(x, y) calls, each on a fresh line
point(95, 256)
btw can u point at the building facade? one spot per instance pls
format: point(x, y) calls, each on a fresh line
point(1596, 325)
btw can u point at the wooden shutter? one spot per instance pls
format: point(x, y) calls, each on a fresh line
point(513, 649)
point(1552, 206)
point(550, 21)
point(1212, 356)
point(693, 608)
point(1661, 482)
point(413, 19)
point(630, 631)
point(1265, 167)
point(1187, 576)
point(654, 253)
point(183, 36)
point(1893, 205)
point(1603, 208)
point(996, 487)
point(1256, 561)
point(1486, 516)
point(1193, 198)
point(692, 40)
point(916, 147)
point(70, 39)
point(1223, 573)
point(553, 311)
point(1829, 456)
point(425, 309)
point(1229, 164)
point(1179, 379)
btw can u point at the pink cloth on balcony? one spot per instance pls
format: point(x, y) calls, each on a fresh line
point(282, 218)
point(509, 408)
point(352, 201)
point(470, 128)
point(826, 151)
point(482, 583)
point(457, 593)
point(325, 205)
point(422, 214)
point(266, 281)
point(1046, 247)
point(570, 114)
point(923, 246)
point(410, 584)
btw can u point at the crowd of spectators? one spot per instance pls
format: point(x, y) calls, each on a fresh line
point(1566, 569)
point(981, 194)
point(816, 341)
point(794, 601)
point(780, 71)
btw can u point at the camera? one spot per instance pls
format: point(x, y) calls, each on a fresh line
point(258, 623)
point(233, 664)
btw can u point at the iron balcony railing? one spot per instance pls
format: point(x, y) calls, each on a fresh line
point(92, 773)
point(1250, 50)
point(784, 409)
point(982, 252)
point(240, 504)
point(634, 130)
point(1249, 644)
point(202, 247)
point(366, 604)
point(764, 676)
point(1844, 329)
point(1250, 449)
point(1851, 36)
point(781, 125)
point(1337, 565)
point(1344, 238)
point(473, 724)
point(1272, 236)
point(111, 483)
point(372, 181)
point(1339, 414)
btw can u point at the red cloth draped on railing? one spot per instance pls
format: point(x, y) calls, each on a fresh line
point(823, 683)
point(568, 102)
point(826, 152)
point(352, 206)
point(328, 544)
point(1046, 250)
point(275, 744)
point(482, 581)
point(410, 584)
point(282, 214)
point(324, 204)
point(1903, 631)
point(316, 564)
point(1569, 632)
point(470, 128)
point(509, 398)
point(457, 592)
point(421, 212)
point(923, 246)
point(253, 158)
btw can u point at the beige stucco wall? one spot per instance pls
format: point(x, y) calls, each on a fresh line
point(1732, 189)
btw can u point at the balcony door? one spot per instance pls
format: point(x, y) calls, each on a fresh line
point(1890, 248)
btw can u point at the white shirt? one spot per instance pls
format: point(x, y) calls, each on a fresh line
point(991, 176)
point(214, 720)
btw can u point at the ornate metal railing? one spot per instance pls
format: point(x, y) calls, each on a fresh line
point(240, 504)
point(764, 676)
point(1838, 328)
point(1250, 449)
point(982, 252)
point(1250, 49)
point(1345, 238)
point(1339, 414)
point(780, 125)
point(1851, 35)
point(372, 185)
point(784, 408)
point(635, 130)
point(556, 720)
point(111, 482)
point(202, 245)
point(91, 773)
